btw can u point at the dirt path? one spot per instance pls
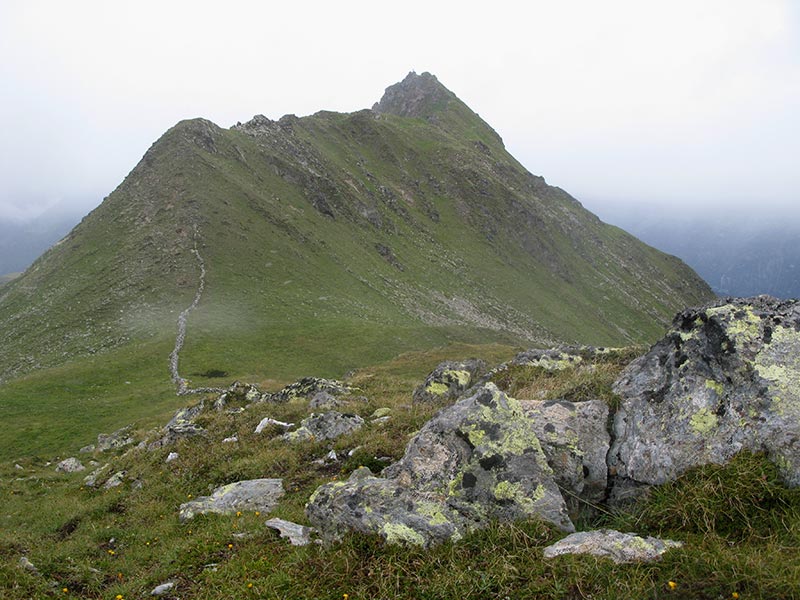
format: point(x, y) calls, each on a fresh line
point(181, 384)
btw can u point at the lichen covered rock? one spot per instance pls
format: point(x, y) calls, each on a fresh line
point(307, 388)
point(111, 441)
point(238, 393)
point(575, 440)
point(607, 543)
point(181, 425)
point(324, 426)
point(726, 378)
point(449, 380)
point(252, 494)
point(476, 461)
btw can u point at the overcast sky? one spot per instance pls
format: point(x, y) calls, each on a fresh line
point(680, 102)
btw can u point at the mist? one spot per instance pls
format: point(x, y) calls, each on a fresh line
point(678, 105)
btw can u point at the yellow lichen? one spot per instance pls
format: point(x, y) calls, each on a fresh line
point(703, 421)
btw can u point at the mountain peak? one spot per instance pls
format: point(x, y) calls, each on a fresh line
point(415, 96)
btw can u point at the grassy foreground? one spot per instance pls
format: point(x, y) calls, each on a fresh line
point(740, 527)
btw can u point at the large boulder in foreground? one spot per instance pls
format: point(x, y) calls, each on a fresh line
point(476, 461)
point(726, 378)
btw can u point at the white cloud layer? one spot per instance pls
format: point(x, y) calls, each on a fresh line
point(681, 102)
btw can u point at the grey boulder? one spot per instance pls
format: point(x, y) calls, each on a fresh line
point(476, 461)
point(70, 465)
point(726, 378)
point(251, 494)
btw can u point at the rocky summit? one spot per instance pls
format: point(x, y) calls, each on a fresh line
point(404, 226)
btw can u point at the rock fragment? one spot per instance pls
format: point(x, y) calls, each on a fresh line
point(325, 426)
point(607, 543)
point(449, 380)
point(298, 535)
point(70, 465)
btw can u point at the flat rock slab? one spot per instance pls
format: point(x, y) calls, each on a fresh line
point(251, 494)
point(298, 535)
point(608, 543)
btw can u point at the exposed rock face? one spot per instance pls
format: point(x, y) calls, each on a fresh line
point(449, 380)
point(415, 96)
point(475, 461)
point(251, 494)
point(325, 426)
point(70, 465)
point(619, 547)
point(323, 400)
point(308, 387)
point(575, 440)
point(726, 378)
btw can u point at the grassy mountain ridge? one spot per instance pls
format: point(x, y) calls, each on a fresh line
point(330, 242)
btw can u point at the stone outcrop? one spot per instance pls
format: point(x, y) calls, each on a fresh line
point(476, 461)
point(112, 441)
point(607, 543)
point(308, 387)
point(239, 393)
point(252, 494)
point(324, 426)
point(726, 378)
point(181, 425)
point(449, 380)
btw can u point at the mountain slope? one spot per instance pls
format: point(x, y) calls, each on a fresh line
point(335, 239)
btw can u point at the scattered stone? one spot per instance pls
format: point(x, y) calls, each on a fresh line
point(115, 480)
point(575, 440)
point(299, 535)
point(725, 378)
point(328, 458)
point(87, 449)
point(70, 465)
point(449, 380)
point(308, 387)
point(162, 589)
point(326, 426)
point(323, 400)
point(381, 412)
point(230, 440)
point(118, 439)
point(19, 467)
point(607, 543)
point(381, 420)
point(476, 461)
point(252, 494)
point(266, 421)
point(171, 456)
point(26, 564)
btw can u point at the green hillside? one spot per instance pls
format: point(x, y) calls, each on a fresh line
point(329, 242)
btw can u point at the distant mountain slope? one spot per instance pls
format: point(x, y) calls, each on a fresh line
point(340, 237)
point(737, 253)
point(22, 243)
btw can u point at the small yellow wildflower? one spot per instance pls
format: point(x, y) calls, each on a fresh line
point(249, 585)
point(258, 513)
point(111, 552)
point(65, 590)
point(735, 595)
point(672, 585)
point(188, 495)
point(345, 596)
point(119, 597)
point(230, 546)
point(238, 513)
